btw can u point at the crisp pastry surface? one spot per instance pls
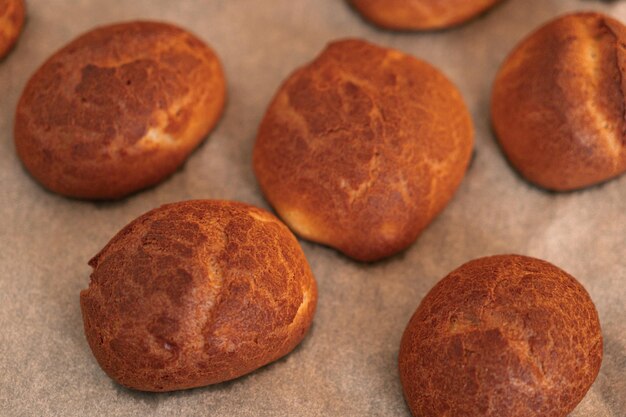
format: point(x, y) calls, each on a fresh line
point(558, 103)
point(505, 336)
point(362, 148)
point(12, 14)
point(118, 109)
point(196, 293)
point(420, 14)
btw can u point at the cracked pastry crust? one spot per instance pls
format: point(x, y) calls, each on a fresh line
point(558, 103)
point(196, 293)
point(12, 13)
point(505, 336)
point(362, 148)
point(420, 14)
point(118, 109)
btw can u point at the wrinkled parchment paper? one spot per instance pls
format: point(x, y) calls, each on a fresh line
point(347, 364)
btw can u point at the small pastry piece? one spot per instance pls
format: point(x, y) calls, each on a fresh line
point(502, 336)
point(558, 103)
point(12, 13)
point(362, 148)
point(196, 293)
point(420, 14)
point(118, 109)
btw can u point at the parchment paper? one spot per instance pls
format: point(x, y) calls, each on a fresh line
point(347, 364)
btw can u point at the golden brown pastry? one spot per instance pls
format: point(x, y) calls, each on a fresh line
point(118, 109)
point(195, 293)
point(420, 14)
point(505, 336)
point(12, 14)
point(362, 148)
point(558, 103)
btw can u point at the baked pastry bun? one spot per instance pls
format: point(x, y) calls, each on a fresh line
point(505, 336)
point(118, 109)
point(12, 13)
point(195, 293)
point(558, 103)
point(420, 14)
point(362, 148)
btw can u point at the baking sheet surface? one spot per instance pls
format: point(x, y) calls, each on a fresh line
point(347, 364)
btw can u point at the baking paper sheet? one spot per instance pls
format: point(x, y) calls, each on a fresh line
point(347, 364)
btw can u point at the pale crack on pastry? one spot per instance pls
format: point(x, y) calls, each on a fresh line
point(155, 137)
point(292, 115)
point(620, 60)
point(611, 129)
point(362, 189)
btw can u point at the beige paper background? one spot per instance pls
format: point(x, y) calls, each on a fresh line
point(347, 364)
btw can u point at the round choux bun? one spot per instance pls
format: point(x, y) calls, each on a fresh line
point(12, 14)
point(420, 14)
point(558, 103)
point(118, 109)
point(502, 336)
point(362, 148)
point(196, 293)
